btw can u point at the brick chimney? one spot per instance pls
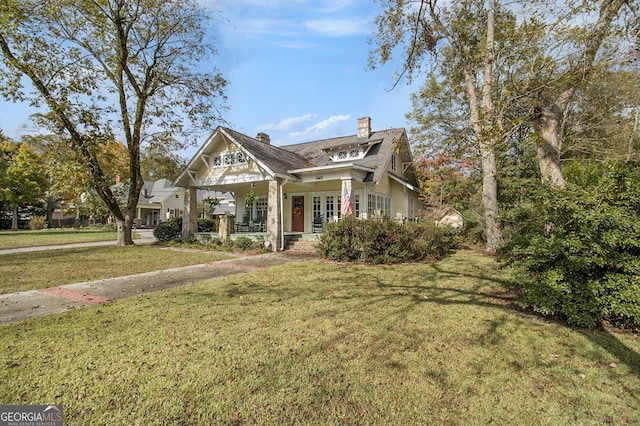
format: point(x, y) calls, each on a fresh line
point(264, 138)
point(364, 127)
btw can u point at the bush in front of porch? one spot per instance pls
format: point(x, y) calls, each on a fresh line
point(171, 230)
point(385, 241)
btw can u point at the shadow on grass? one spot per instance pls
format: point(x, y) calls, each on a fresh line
point(480, 289)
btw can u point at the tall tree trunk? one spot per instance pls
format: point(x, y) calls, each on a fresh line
point(547, 125)
point(14, 218)
point(490, 200)
point(123, 229)
point(50, 208)
point(482, 121)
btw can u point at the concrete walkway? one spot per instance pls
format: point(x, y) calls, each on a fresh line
point(146, 237)
point(36, 303)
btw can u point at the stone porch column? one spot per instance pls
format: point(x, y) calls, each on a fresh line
point(190, 217)
point(274, 218)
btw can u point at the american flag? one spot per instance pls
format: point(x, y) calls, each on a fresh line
point(346, 202)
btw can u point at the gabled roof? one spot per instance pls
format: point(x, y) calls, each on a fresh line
point(277, 159)
point(289, 160)
point(380, 144)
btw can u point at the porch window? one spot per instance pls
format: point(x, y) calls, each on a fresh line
point(317, 206)
point(261, 210)
point(330, 207)
point(378, 203)
point(256, 211)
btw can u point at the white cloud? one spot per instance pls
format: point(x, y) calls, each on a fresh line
point(286, 125)
point(323, 130)
point(340, 27)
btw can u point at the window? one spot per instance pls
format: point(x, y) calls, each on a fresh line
point(394, 163)
point(330, 207)
point(317, 206)
point(261, 210)
point(229, 158)
point(379, 204)
point(351, 154)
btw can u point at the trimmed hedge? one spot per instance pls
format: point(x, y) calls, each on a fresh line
point(380, 241)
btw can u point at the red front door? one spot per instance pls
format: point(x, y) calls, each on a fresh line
point(297, 213)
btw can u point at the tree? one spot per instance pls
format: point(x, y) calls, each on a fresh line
point(602, 122)
point(23, 180)
point(107, 67)
point(68, 179)
point(159, 161)
point(465, 32)
point(568, 57)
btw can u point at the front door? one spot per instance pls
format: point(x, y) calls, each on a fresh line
point(297, 213)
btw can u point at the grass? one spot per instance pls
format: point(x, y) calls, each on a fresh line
point(323, 343)
point(47, 237)
point(32, 271)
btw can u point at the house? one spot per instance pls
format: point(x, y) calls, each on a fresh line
point(446, 216)
point(158, 201)
point(292, 188)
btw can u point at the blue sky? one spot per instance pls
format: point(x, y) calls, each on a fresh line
point(297, 71)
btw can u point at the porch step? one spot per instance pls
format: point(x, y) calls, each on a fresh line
point(301, 243)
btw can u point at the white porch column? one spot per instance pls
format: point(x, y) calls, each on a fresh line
point(274, 218)
point(190, 217)
point(347, 202)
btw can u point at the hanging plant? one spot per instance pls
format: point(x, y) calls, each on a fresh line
point(212, 202)
point(251, 197)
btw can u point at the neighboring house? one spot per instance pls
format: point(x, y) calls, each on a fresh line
point(159, 201)
point(292, 188)
point(447, 216)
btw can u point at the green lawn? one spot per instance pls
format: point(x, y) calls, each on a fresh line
point(42, 269)
point(47, 237)
point(323, 343)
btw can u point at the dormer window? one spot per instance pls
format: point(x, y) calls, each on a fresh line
point(350, 154)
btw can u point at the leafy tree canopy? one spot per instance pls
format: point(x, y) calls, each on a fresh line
point(101, 68)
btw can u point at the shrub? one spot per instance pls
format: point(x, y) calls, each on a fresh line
point(37, 223)
point(576, 251)
point(385, 241)
point(170, 230)
point(207, 225)
point(243, 243)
